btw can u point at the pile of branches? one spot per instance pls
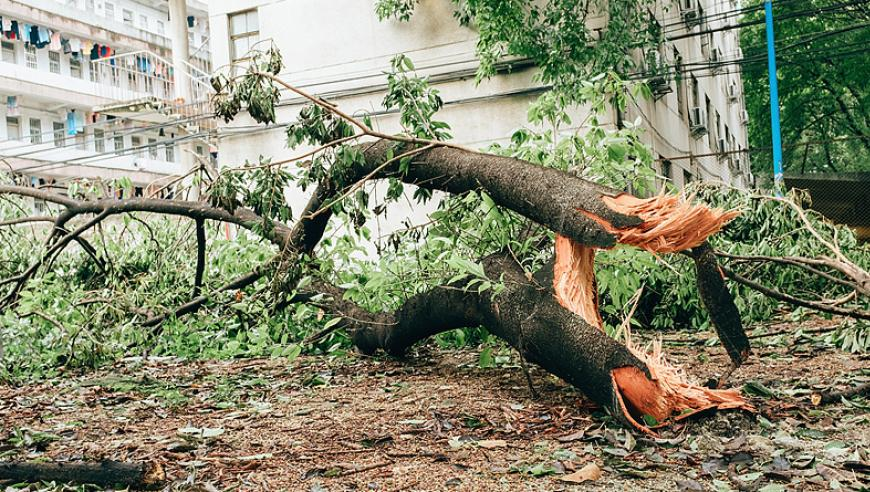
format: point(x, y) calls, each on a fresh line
point(551, 316)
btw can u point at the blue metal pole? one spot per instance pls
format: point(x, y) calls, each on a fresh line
point(774, 100)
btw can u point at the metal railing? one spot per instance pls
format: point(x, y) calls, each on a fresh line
point(142, 75)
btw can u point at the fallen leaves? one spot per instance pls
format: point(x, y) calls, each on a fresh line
point(590, 472)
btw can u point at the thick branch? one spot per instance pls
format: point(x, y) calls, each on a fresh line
point(524, 314)
point(147, 475)
point(200, 257)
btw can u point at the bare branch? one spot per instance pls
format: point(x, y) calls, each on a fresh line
point(819, 306)
point(25, 220)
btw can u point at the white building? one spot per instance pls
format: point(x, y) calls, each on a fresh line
point(88, 89)
point(340, 50)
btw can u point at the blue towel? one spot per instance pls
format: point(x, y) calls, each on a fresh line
point(71, 123)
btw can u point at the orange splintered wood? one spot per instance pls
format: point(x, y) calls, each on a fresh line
point(670, 224)
point(574, 280)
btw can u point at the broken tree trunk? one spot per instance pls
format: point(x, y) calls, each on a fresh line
point(528, 316)
point(142, 476)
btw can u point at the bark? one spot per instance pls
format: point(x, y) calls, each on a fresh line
point(526, 315)
point(140, 476)
point(720, 304)
point(200, 257)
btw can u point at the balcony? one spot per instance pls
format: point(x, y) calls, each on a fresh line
point(71, 160)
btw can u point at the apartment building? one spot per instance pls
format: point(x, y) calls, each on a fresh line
point(340, 50)
point(96, 89)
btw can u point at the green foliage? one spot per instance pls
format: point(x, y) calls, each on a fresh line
point(253, 90)
point(416, 101)
point(822, 68)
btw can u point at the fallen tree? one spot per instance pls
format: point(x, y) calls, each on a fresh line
point(551, 317)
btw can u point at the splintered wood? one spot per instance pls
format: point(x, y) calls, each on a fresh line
point(670, 224)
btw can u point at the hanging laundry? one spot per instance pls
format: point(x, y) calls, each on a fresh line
point(95, 52)
point(75, 44)
point(71, 122)
point(31, 34)
point(44, 36)
point(190, 20)
point(6, 24)
point(54, 43)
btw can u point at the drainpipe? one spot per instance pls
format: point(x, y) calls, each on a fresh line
point(183, 92)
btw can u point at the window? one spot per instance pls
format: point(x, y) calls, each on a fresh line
point(134, 143)
point(170, 153)
point(35, 131)
point(127, 16)
point(59, 131)
point(696, 95)
point(667, 170)
point(13, 130)
point(30, 56)
point(81, 141)
point(54, 61)
point(119, 144)
point(710, 137)
point(89, 5)
point(75, 68)
point(110, 10)
point(143, 21)
point(161, 28)
point(152, 148)
point(8, 52)
point(687, 177)
point(681, 88)
point(706, 41)
point(244, 33)
point(99, 140)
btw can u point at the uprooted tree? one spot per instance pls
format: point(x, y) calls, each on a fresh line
point(546, 308)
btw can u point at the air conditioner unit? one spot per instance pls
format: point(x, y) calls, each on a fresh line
point(689, 12)
point(733, 92)
point(658, 76)
point(698, 121)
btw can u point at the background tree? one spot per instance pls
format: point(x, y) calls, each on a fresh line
point(822, 60)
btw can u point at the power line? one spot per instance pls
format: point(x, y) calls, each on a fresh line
point(767, 148)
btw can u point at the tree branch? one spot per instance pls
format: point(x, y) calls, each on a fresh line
point(825, 308)
point(200, 257)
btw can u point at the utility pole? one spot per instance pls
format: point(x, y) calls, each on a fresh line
point(774, 100)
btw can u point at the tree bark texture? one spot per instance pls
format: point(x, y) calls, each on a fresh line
point(137, 476)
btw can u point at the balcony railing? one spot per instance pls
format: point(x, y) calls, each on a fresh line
point(145, 75)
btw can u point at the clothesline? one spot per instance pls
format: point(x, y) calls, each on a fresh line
point(41, 37)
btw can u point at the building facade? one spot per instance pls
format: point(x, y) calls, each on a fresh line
point(695, 122)
point(91, 90)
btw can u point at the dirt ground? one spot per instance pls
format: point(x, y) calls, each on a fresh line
point(437, 421)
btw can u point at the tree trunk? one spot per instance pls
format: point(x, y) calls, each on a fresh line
point(528, 316)
point(140, 476)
